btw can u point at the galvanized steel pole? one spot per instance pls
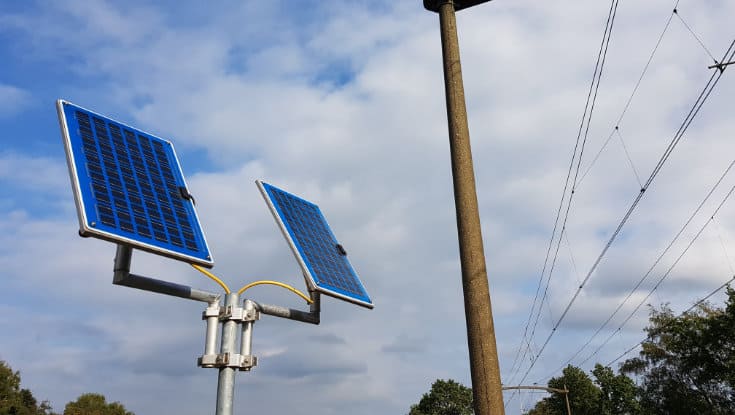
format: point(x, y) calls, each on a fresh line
point(226, 380)
point(484, 367)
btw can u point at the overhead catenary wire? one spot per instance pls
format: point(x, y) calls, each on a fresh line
point(648, 272)
point(635, 346)
point(586, 117)
point(663, 277)
point(630, 97)
point(701, 99)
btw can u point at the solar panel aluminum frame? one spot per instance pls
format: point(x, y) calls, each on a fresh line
point(308, 276)
point(86, 230)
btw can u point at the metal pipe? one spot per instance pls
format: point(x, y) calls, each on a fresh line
point(484, 367)
point(289, 313)
point(210, 342)
point(226, 379)
point(246, 340)
point(122, 276)
point(542, 388)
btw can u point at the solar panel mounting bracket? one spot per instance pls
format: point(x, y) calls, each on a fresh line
point(122, 276)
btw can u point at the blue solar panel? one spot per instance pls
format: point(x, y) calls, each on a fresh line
point(322, 259)
point(129, 188)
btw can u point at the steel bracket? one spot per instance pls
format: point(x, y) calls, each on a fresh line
point(211, 311)
point(238, 314)
point(233, 360)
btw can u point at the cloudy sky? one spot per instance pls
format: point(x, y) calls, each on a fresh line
point(343, 103)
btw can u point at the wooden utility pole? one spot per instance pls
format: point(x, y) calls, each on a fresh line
point(484, 367)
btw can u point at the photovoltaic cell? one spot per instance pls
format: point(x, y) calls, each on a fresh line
point(129, 188)
point(322, 259)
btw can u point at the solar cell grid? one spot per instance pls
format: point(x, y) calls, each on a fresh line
point(128, 187)
point(313, 242)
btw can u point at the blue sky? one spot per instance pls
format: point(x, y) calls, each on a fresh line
point(343, 104)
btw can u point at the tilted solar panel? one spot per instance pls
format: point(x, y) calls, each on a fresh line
point(129, 188)
point(322, 259)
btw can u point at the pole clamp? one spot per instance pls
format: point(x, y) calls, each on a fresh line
point(211, 311)
point(233, 360)
point(233, 313)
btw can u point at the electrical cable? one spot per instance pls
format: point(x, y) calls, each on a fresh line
point(701, 99)
point(648, 273)
point(680, 315)
point(663, 277)
point(597, 73)
point(276, 283)
point(630, 98)
point(213, 277)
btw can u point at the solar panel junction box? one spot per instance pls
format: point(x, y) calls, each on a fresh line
point(233, 360)
point(231, 313)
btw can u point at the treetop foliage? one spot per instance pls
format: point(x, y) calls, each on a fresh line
point(17, 401)
point(686, 366)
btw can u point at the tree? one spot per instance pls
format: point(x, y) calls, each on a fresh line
point(618, 394)
point(583, 394)
point(445, 398)
point(17, 401)
point(609, 394)
point(94, 404)
point(687, 362)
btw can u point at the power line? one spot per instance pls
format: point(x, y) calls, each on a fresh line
point(680, 315)
point(594, 86)
point(663, 277)
point(630, 98)
point(650, 269)
point(701, 99)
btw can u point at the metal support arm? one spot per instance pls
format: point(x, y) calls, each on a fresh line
point(312, 316)
point(122, 276)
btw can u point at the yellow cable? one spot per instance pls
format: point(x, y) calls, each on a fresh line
point(280, 284)
point(213, 277)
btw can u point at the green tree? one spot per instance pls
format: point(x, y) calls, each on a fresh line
point(609, 394)
point(94, 404)
point(687, 362)
point(618, 393)
point(584, 396)
point(446, 397)
point(17, 401)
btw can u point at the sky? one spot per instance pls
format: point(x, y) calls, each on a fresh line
point(342, 103)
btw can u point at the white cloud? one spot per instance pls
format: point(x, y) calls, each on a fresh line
point(13, 100)
point(246, 101)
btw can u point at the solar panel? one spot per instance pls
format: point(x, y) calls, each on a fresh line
point(322, 259)
point(129, 188)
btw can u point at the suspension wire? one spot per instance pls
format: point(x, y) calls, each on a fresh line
point(648, 273)
point(724, 248)
point(594, 86)
point(680, 315)
point(676, 12)
point(630, 160)
point(632, 94)
point(701, 99)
